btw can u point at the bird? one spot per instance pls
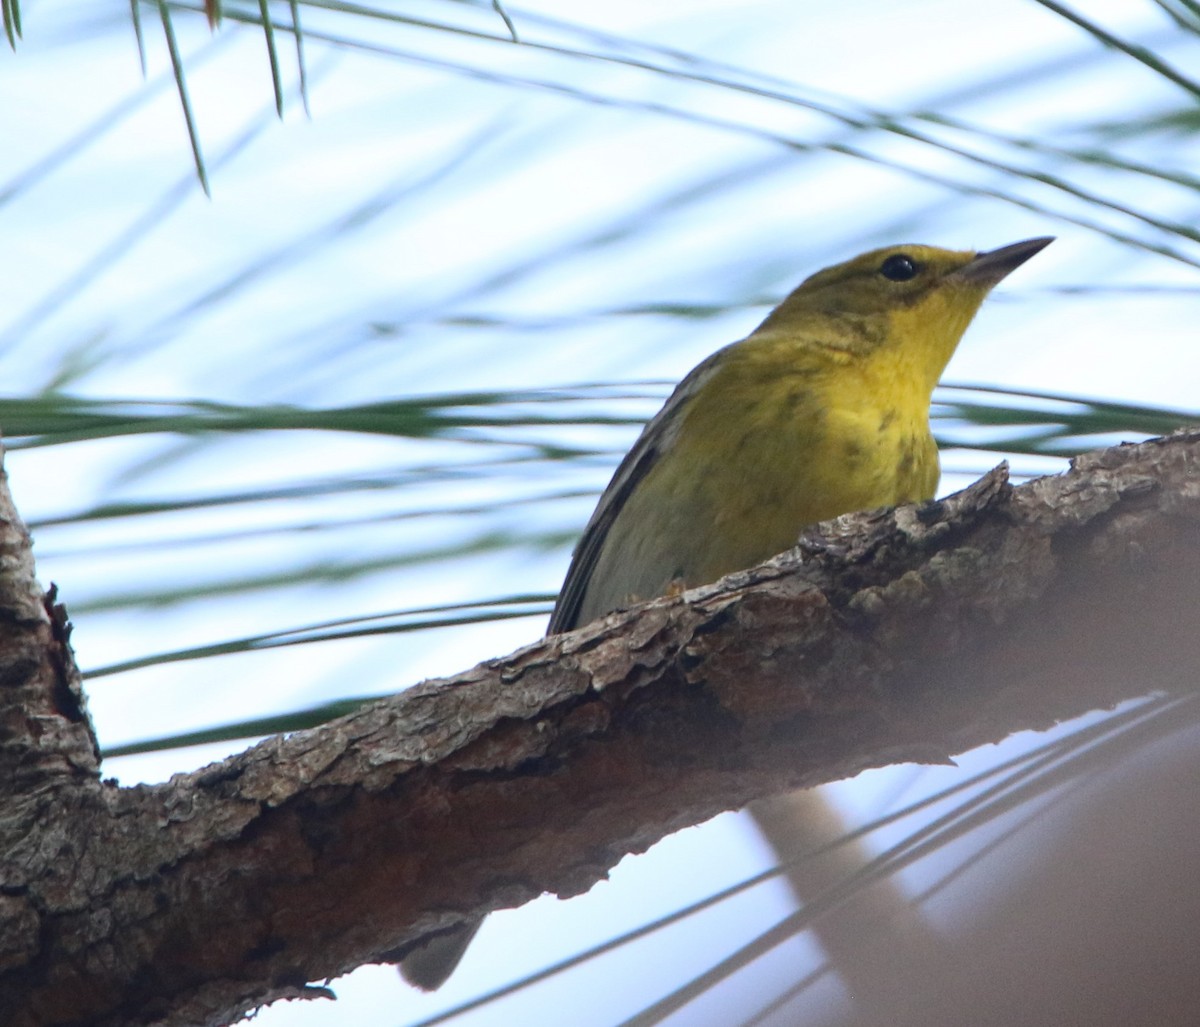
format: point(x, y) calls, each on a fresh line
point(822, 410)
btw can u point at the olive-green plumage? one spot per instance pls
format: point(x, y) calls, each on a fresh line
point(823, 409)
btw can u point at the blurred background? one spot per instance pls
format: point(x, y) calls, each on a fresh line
point(333, 428)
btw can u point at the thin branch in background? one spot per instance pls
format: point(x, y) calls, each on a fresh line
point(508, 22)
point(1193, 7)
point(874, 119)
point(634, 45)
point(12, 20)
point(184, 100)
point(859, 118)
point(1139, 53)
point(135, 15)
point(782, 931)
point(767, 1012)
point(1084, 416)
point(162, 542)
point(108, 119)
point(1181, 19)
point(878, 120)
point(1104, 289)
point(333, 570)
point(273, 724)
point(1063, 773)
point(55, 419)
point(264, 7)
point(799, 145)
point(1098, 158)
point(368, 625)
point(963, 189)
point(301, 63)
point(405, 477)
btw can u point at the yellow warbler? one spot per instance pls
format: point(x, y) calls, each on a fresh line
point(821, 410)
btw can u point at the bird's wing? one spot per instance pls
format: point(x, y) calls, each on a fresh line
point(656, 439)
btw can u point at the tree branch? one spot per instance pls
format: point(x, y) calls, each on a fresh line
point(884, 637)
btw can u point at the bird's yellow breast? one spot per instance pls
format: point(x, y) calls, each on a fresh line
point(780, 437)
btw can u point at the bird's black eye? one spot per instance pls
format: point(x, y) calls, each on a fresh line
point(899, 268)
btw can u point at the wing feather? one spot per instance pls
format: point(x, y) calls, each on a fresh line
point(656, 440)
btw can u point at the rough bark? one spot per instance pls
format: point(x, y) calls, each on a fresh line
point(890, 636)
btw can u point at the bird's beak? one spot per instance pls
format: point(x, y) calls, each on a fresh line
point(988, 268)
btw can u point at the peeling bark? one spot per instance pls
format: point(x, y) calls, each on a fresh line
point(889, 636)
